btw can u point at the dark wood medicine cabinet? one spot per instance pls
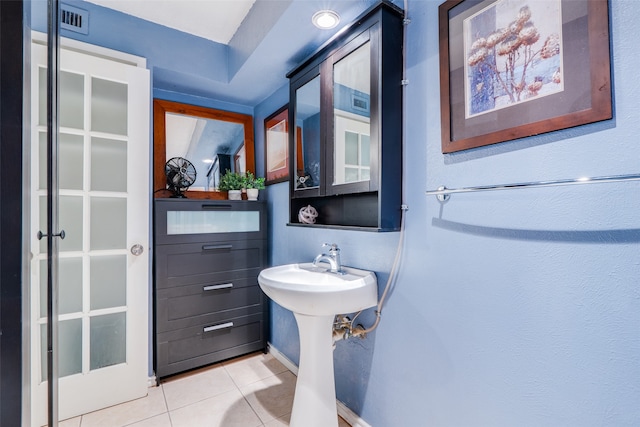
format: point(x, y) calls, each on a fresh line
point(346, 142)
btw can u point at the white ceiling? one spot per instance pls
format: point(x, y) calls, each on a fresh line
point(215, 20)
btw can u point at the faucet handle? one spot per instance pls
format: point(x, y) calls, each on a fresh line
point(332, 246)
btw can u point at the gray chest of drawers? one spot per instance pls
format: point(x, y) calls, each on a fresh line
point(208, 304)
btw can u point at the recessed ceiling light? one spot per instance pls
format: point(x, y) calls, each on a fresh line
point(325, 19)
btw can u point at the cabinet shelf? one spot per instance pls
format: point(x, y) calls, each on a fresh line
point(358, 211)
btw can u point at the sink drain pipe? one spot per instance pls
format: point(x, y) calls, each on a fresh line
point(343, 326)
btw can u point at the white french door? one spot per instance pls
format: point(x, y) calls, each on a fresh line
point(104, 211)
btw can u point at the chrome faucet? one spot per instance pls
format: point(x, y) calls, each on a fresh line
point(333, 258)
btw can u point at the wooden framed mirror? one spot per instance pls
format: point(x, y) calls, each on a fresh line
point(213, 140)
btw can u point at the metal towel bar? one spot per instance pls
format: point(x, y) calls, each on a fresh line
point(443, 193)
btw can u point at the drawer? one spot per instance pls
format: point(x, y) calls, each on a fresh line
point(208, 343)
point(197, 220)
point(208, 262)
point(188, 305)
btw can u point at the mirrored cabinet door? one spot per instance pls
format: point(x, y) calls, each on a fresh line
point(307, 147)
point(352, 117)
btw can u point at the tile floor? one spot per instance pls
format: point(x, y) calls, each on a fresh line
point(251, 391)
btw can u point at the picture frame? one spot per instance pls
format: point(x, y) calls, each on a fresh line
point(515, 69)
point(276, 151)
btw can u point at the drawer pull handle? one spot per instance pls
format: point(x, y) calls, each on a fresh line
point(216, 207)
point(216, 287)
point(216, 327)
point(214, 247)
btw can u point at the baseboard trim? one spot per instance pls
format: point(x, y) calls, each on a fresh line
point(152, 381)
point(283, 359)
point(349, 416)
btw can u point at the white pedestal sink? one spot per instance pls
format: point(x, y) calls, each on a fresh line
point(315, 296)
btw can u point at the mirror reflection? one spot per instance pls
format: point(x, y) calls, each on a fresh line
point(351, 112)
point(213, 146)
point(307, 137)
point(213, 140)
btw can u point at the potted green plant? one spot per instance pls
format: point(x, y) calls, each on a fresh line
point(253, 185)
point(233, 183)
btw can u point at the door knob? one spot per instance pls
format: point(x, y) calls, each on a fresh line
point(137, 249)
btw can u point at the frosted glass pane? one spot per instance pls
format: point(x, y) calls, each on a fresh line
point(42, 96)
point(365, 174)
point(365, 149)
point(42, 160)
point(43, 352)
point(70, 161)
point(108, 106)
point(70, 348)
point(71, 99)
point(70, 220)
point(42, 223)
point(351, 148)
point(350, 174)
point(108, 340)
point(108, 223)
point(188, 222)
point(70, 286)
point(108, 281)
point(108, 165)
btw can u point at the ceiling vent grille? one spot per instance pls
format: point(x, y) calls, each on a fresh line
point(74, 19)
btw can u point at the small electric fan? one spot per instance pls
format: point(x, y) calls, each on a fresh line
point(181, 174)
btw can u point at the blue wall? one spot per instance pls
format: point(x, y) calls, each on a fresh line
point(512, 308)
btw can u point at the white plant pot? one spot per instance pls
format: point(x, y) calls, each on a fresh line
point(235, 195)
point(252, 193)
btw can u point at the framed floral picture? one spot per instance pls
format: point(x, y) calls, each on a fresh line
point(516, 68)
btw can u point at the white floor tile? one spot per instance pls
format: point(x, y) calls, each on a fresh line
point(161, 420)
point(284, 422)
point(271, 397)
point(72, 422)
point(279, 422)
point(196, 386)
point(254, 367)
point(129, 412)
point(226, 410)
